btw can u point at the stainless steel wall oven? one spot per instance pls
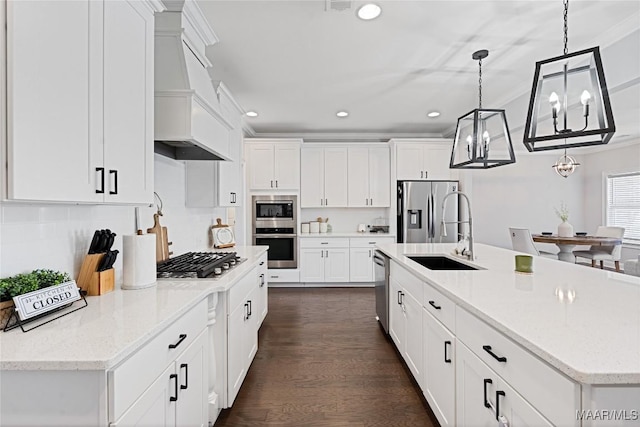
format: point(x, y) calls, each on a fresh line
point(275, 225)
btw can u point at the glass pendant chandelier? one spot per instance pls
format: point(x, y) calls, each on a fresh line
point(565, 165)
point(569, 101)
point(482, 138)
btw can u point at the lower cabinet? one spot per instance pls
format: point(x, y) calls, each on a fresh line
point(405, 327)
point(263, 290)
point(324, 260)
point(361, 257)
point(178, 396)
point(439, 354)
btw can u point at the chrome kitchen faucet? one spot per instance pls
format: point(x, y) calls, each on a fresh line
point(443, 228)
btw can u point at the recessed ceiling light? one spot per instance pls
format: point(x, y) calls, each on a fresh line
point(252, 114)
point(342, 114)
point(369, 11)
point(434, 114)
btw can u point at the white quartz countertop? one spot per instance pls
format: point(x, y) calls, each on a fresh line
point(592, 336)
point(346, 234)
point(113, 325)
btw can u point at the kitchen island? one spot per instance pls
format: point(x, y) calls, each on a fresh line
point(95, 366)
point(563, 339)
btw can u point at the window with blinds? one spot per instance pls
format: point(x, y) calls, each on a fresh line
point(623, 204)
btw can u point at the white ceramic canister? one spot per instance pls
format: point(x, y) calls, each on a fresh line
point(324, 227)
point(314, 227)
point(304, 228)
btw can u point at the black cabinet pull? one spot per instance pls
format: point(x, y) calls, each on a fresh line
point(399, 297)
point(186, 376)
point(446, 358)
point(246, 311)
point(271, 183)
point(101, 170)
point(486, 402)
point(175, 387)
point(261, 280)
point(115, 180)
point(261, 262)
point(498, 394)
point(182, 338)
point(433, 304)
point(250, 310)
point(276, 183)
point(487, 348)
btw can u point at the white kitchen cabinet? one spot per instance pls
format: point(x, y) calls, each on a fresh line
point(273, 164)
point(323, 177)
point(361, 267)
point(263, 290)
point(324, 260)
point(439, 354)
point(423, 161)
point(93, 103)
point(369, 176)
point(397, 329)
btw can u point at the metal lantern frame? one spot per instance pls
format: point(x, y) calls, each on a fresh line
point(480, 116)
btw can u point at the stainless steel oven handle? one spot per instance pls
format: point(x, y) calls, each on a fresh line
point(275, 236)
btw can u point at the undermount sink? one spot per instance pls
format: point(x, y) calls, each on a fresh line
point(438, 262)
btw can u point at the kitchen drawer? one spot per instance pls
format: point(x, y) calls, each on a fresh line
point(369, 241)
point(441, 307)
point(318, 242)
point(408, 281)
point(239, 290)
point(549, 391)
point(131, 378)
point(284, 275)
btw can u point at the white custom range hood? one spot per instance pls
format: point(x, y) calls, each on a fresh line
point(188, 120)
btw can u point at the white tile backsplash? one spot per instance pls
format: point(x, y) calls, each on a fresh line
point(58, 236)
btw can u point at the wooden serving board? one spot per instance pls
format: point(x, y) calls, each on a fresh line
point(162, 240)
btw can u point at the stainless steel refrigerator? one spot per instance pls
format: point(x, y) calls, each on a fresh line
point(420, 213)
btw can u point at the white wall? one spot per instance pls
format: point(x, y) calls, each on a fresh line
point(58, 236)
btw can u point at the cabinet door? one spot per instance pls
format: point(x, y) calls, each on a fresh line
point(192, 408)
point(360, 265)
point(236, 366)
point(335, 177)
point(396, 315)
point(379, 177)
point(287, 166)
point(312, 265)
point(414, 340)
point(261, 169)
point(53, 147)
point(229, 179)
point(436, 162)
point(517, 411)
point(263, 291)
point(358, 178)
point(336, 265)
point(154, 407)
point(250, 334)
point(128, 102)
point(439, 369)
point(471, 374)
point(409, 160)
point(312, 178)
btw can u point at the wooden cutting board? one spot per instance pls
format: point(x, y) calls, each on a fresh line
point(162, 240)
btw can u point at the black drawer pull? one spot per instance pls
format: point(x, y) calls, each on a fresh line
point(182, 338)
point(446, 357)
point(498, 394)
point(486, 402)
point(175, 385)
point(487, 348)
point(115, 180)
point(101, 170)
point(250, 310)
point(186, 376)
point(433, 304)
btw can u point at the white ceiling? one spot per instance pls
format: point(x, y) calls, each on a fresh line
point(297, 63)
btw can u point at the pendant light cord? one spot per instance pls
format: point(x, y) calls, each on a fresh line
point(566, 26)
point(480, 83)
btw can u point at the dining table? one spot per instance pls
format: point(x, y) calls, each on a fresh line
point(566, 244)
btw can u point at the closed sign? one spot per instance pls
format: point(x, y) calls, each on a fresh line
point(44, 300)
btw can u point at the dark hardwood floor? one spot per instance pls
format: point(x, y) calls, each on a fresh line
point(323, 360)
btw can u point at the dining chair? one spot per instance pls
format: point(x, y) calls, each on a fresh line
point(602, 253)
point(521, 241)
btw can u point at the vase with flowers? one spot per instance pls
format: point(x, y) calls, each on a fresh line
point(564, 229)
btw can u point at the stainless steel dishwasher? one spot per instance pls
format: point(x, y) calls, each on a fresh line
point(382, 289)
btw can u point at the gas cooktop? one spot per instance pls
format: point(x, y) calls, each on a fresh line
point(198, 265)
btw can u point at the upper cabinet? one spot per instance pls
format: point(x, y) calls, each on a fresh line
point(273, 164)
point(324, 176)
point(80, 129)
point(369, 177)
point(424, 160)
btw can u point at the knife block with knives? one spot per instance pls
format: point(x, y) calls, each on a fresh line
point(97, 275)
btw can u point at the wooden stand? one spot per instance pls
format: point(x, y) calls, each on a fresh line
point(95, 282)
point(222, 235)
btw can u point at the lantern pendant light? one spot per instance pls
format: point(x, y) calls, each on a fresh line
point(569, 101)
point(482, 138)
